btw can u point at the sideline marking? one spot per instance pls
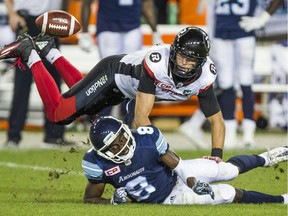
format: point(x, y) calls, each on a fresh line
point(39, 168)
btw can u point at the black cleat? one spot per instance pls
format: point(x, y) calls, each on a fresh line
point(21, 48)
point(44, 43)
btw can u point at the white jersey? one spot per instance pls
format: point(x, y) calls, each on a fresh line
point(37, 7)
point(156, 65)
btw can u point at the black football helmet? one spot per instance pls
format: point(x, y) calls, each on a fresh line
point(104, 131)
point(191, 43)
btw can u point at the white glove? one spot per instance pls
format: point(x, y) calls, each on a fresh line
point(119, 197)
point(252, 23)
point(156, 38)
point(85, 41)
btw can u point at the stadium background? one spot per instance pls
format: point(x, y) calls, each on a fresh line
point(166, 115)
point(51, 182)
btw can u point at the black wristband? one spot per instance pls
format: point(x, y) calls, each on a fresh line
point(217, 152)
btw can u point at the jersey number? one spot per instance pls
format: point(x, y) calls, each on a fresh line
point(125, 2)
point(139, 188)
point(227, 7)
point(145, 130)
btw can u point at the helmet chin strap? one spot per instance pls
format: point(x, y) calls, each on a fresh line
point(127, 162)
point(180, 82)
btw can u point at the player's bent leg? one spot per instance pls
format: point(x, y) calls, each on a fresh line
point(56, 107)
point(46, 46)
point(68, 72)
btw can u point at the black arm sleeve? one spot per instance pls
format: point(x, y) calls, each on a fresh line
point(146, 82)
point(208, 102)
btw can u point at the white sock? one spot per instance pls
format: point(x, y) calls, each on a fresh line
point(33, 58)
point(53, 55)
point(265, 156)
point(249, 127)
point(197, 119)
point(285, 196)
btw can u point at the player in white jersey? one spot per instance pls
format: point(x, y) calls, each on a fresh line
point(7, 35)
point(140, 165)
point(173, 72)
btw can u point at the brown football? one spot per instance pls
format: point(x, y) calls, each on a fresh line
point(58, 23)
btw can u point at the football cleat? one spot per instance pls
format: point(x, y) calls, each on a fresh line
point(276, 155)
point(44, 43)
point(21, 48)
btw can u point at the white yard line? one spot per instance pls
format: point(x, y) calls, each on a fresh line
point(38, 168)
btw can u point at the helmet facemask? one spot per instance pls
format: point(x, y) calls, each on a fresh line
point(129, 146)
point(180, 71)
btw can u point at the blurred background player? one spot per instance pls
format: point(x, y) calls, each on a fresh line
point(161, 11)
point(230, 24)
point(6, 71)
point(7, 35)
point(118, 30)
point(22, 16)
point(275, 33)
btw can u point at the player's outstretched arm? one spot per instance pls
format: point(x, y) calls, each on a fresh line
point(93, 194)
point(217, 133)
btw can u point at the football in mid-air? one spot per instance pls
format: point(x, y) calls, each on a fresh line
point(58, 23)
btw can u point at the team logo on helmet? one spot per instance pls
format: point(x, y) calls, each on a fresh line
point(155, 57)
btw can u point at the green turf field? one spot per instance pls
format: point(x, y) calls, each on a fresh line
point(50, 182)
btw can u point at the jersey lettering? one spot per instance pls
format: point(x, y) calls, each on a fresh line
point(164, 86)
point(112, 171)
point(125, 2)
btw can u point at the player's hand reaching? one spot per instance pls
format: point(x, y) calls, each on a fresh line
point(214, 158)
point(85, 42)
point(252, 23)
point(119, 197)
point(203, 188)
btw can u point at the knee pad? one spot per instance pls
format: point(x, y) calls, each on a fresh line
point(224, 193)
